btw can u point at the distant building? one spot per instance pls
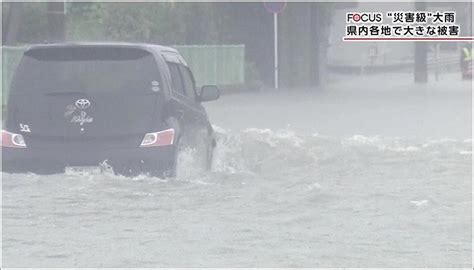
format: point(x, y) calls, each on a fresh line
point(353, 55)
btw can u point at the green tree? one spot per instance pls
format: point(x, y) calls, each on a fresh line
point(165, 23)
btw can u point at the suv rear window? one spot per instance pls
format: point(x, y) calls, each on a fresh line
point(86, 70)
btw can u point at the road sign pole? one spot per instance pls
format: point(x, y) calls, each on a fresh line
point(275, 30)
point(275, 7)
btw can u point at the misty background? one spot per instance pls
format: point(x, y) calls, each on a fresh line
point(359, 159)
point(310, 34)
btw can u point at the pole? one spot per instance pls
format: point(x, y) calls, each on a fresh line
point(275, 30)
point(421, 53)
point(437, 45)
point(56, 21)
point(12, 23)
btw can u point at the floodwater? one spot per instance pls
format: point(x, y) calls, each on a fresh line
point(361, 174)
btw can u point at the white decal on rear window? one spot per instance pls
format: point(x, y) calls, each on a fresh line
point(24, 128)
point(82, 118)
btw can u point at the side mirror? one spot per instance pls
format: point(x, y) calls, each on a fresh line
point(209, 93)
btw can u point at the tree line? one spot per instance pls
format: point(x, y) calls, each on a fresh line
point(154, 22)
point(303, 29)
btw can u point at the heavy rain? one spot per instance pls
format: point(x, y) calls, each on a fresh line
point(328, 152)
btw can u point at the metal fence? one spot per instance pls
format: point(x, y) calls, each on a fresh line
point(215, 64)
point(222, 65)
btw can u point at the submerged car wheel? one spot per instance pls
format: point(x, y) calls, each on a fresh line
point(171, 170)
point(210, 154)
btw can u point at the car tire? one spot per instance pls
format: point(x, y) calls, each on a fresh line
point(210, 154)
point(171, 171)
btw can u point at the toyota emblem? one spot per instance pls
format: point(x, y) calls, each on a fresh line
point(83, 103)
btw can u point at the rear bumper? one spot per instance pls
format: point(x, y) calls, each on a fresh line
point(126, 161)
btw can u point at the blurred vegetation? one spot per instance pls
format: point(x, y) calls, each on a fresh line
point(164, 23)
point(303, 30)
point(156, 22)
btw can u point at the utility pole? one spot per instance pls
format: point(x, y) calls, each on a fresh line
point(320, 23)
point(12, 22)
point(56, 21)
point(421, 53)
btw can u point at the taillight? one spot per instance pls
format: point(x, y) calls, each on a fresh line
point(161, 138)
point(12, 140)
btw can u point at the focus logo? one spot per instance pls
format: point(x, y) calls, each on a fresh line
point(373, 17)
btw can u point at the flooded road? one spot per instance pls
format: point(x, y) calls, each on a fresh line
point(347, 177)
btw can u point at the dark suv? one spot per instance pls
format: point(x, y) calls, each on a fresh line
point(75, 107)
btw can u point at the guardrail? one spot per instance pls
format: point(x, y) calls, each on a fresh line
point(448, 62)
point(441, 63)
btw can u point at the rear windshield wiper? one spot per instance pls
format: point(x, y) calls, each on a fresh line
point(64, 93)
